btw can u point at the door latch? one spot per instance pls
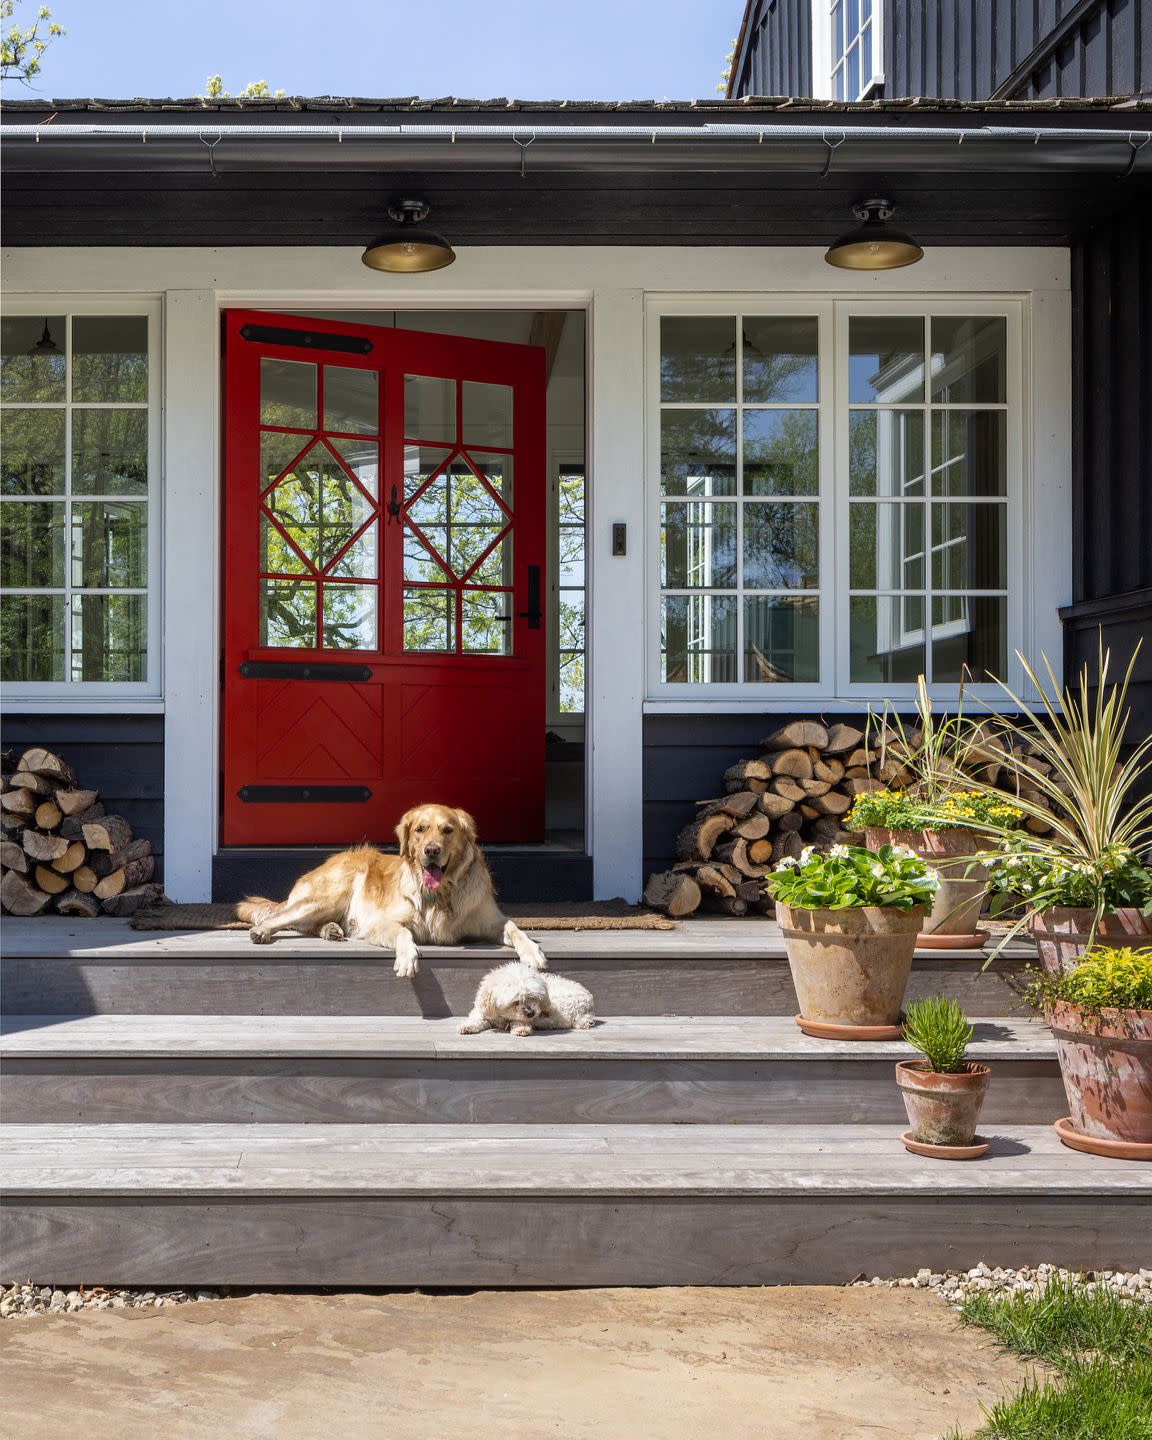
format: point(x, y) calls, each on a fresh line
point(393, 507)
point(534, 613)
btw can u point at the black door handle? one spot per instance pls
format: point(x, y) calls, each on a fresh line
point(534, 613)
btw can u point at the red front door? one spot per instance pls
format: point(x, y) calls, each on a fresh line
point(384, 552)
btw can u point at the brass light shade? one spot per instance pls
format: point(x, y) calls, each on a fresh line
point(874, 244)
point(408, 248)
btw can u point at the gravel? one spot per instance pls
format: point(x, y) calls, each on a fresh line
point(955, 1286)
point(18, 1300)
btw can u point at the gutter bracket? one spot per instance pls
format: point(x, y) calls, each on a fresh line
point(833, 146)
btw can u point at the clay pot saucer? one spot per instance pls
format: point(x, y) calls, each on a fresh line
point(974, 1151)
point(824, 1030)
point(936, 941)
point(1095, 1145)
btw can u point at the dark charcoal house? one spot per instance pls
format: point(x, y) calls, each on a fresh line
point(557, 531)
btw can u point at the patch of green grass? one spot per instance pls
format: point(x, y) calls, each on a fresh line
point(1065, 1322)
point(1100, 1347)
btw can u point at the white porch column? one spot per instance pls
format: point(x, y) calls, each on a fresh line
point(191, 607)
point(615, 635)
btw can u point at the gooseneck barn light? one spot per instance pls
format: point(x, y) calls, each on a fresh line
point(407, 247)
point(874, 244)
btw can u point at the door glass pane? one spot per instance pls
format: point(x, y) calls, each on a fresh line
point(358, 562)
point(288, 394)
point(698, 358)
point(109, 637)
point(109, 545)
point(277, 452)
point(698, 544)
point(885, 358)
point(419, 562)
point(362, 457)
point(485, 622)
point(698, 639)
point(780, 452)
point(351, 400)
point(780, 546)
point(32, 545)
point(969, 359)
point(497, 470)
point(349, 617)
point(319, 506)
point(429, 619)
point(487, 415)
point(32, 452)
point(419, 462)
point(969, 452)
point(882, 538)
point(460, 517)
point(698, 452)
point(109, 452)
point(26, 371)
point(969, 549)
point(276, 555)
point(881, 648)
point(110, 357)
point(781, 639)
point(288, 614)
point(32, 637)
point(969, 637)
point(886, 452)
point(429, 408)
point(780, 358)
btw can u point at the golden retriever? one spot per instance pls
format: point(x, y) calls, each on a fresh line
point(437, 891)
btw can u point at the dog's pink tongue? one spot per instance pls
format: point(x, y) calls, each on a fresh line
point(432, 875)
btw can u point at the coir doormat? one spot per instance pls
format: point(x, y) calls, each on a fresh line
point(544, 915)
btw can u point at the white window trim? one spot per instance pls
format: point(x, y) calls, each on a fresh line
point(823, 62)
point(569, 723)
point(107, 696)
point(1046, 519)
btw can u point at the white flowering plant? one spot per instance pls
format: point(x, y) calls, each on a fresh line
point(1032, 875)
point(850, 877)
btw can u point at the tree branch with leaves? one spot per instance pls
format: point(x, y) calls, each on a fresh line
point(22, 46)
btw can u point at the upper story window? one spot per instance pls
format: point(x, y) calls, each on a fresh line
point(77, 418)
point(838, 499)
point(847, 48)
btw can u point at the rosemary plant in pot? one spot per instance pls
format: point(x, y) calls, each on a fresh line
point(944, 1092)
point(1085, 881)
point(1100, 1013)
point(849, 918)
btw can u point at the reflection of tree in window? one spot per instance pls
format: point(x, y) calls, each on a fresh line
point(571, 641)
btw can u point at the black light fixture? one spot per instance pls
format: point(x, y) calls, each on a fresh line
point(45, 345)
point(874, 244)
point(408, 248)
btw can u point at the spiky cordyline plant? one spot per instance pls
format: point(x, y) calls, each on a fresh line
point(1097, 801)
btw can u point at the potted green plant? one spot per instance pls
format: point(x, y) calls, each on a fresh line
point(1100, 1013)
point(1084, 881)
point(849, 918)
point(944, 1092)
point(940, 832)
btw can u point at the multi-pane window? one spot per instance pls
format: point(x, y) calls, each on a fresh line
point(834, 498)
point(928, 497)
point(570, 610)
point(740, 499)
point(855, 46)
point(74, 480)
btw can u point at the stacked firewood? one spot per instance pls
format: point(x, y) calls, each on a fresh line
point(796, 794)
point(61, 852)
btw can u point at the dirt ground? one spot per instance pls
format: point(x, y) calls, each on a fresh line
point(675, 1364)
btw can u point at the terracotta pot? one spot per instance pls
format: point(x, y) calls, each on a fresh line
point(1106, 1066)
point(960, 898)
point(1061, 935)
point(850, 967)
point(942, 1109)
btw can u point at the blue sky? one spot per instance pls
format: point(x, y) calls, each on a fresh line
point(534, 49)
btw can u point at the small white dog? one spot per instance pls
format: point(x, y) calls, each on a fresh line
point(517, 997)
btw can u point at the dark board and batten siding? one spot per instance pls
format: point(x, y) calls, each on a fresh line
point(967, 49)
point(776, 56)
point(122, 756)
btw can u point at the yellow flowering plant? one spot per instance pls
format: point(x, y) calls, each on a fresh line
point(955, 810)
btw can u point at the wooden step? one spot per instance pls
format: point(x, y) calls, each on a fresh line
point(705, 967)
point(536, 1206)
point(629, 1070)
